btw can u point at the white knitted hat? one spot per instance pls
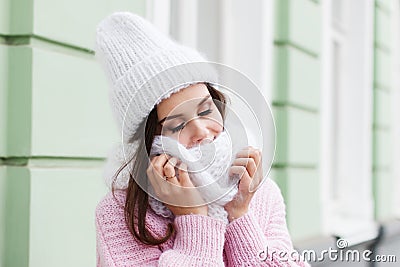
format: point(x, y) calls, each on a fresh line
point(144, 66)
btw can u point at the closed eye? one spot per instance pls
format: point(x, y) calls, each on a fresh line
point(182, 125)
point(178, 128)
point(206, 112)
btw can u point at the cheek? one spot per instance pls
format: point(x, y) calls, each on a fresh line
point(184, 139)
point(217, 122)
point(216, 126)
point(213, 126)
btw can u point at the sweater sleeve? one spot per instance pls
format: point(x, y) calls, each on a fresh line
point(199, 241)
point(261, 237)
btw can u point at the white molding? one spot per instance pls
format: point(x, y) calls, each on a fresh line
point(267, 53)
point(149, 10)
point(209, 37)
point(355, 230)
point(158, 12)
point(227, 20)
point(246, 45)
point(354, 116)
point(357, 111)
point(247, 40)
point(186, 20)
point(326, 114)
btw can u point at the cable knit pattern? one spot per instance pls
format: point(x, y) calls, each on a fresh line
point(199, 240)
point(143, 67)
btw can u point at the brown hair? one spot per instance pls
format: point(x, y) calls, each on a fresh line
point(136, 203)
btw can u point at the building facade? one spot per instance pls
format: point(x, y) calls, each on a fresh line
point(329, 68)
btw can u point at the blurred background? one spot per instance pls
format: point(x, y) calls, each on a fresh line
point(329, 69)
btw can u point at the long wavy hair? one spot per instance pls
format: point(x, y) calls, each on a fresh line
point(136, 203)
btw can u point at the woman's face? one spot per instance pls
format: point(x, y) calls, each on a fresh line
point(190, 116)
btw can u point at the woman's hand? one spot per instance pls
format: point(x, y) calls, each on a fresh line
point(248, 166)
point(181, 192)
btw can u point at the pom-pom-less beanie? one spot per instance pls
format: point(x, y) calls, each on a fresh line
point(144, 66)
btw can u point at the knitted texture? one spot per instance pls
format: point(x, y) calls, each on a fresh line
point(144, 66)
point(208, 165)
point(199, 240)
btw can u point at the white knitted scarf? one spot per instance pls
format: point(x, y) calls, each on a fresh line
point(208, 167)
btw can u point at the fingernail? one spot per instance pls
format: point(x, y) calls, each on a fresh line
point(183, 166)
point(173, 161)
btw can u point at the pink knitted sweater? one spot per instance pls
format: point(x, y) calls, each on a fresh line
point(200, 240)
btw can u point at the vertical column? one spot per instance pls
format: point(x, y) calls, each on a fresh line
point(55, 130)
point(296, 107)
point(382, 129)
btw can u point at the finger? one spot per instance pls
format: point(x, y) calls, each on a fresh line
point(250, 153)
point(239, 171)
point(248, 163)
point(184, 178)
point(173, 162)
point(158, 164)
point(169, 167)
point(156, 176)
point(245, 179)
point(161, 159)
point(173, 180)
point(169, 171)
point(253, 153)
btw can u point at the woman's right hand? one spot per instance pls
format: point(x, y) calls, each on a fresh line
point(181, 193)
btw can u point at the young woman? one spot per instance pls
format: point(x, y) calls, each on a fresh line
point(133, 229)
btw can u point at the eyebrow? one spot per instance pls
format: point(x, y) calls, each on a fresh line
point(179, 115)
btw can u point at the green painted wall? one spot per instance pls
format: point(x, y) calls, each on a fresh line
point(296, 110)
point(383, 178)
point(55, 130)
point(3, 98)
point(56, 127)
point(16, 201)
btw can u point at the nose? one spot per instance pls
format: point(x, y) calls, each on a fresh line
point(198, 131)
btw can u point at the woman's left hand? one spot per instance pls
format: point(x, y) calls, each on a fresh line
point(248, 166)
